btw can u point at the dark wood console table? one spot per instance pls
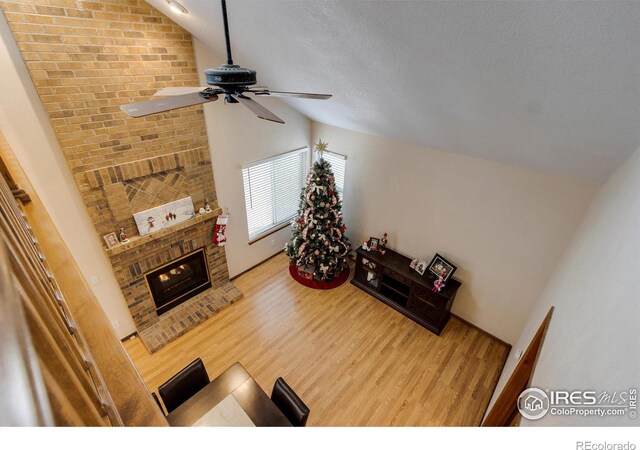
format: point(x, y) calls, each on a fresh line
point(389, 278)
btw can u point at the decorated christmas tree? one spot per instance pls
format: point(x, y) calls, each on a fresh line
point(318, 246)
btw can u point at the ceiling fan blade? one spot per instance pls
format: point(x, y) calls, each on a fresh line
point(267, 92)
point(258, 109)
point(147, 107)
point(178, 90)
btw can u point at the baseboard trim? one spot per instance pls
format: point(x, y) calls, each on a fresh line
point(127, 337)
point(256, 265)
point(481, 330)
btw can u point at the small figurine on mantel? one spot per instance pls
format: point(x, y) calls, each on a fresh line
point(207, 207)
point(150, 221)
point(123, 236)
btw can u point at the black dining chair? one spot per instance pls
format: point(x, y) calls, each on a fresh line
point(155, 397)
point(183, 385)
point(289, 403)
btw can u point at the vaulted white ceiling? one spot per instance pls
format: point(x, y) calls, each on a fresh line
point(548, 85)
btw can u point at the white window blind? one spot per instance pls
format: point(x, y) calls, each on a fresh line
point(272, 189)
point(338, 165)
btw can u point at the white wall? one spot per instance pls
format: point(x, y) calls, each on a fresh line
point(504, 227)
point(236, 136)
point(592, 342)
point(27, 129)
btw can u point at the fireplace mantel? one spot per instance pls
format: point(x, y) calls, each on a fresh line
point(137, 241)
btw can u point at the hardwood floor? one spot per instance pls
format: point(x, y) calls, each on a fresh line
point(353, 360)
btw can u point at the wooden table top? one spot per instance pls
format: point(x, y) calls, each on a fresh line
point(237, 382)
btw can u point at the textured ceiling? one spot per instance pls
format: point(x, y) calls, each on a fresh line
point(548, 85)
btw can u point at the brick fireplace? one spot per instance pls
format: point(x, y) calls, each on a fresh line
point(143, 255)
point(86, 58)
point(137, 186)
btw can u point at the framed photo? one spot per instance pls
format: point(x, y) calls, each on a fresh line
point(374, 244)
point(111, 239)
point(440, 266)
point(421, 266)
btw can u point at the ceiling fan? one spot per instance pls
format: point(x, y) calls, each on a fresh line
point(229, 80)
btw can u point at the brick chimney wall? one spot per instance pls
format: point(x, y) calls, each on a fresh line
point(86, 58)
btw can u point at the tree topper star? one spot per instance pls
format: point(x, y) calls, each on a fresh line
point(321, 147)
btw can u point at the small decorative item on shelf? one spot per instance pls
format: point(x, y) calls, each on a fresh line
point(111, 239)
point(373, 244)
point(441, 267)
point(365, 245)
point(123, 236)
point(438, 284)
point(421, 266)
point(202, 211)
point(413, 264)
point(207, 207)
point(383, 244)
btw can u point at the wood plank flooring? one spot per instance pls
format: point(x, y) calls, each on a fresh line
point(353, 360)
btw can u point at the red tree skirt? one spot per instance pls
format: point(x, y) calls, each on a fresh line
point(315, 284)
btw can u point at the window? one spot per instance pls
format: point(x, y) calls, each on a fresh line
point(338, 165)
point(272, 189)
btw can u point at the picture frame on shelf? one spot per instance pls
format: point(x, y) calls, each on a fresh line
point(421, 266)
point(441, 267)
point(111, 239)
point(374, 244)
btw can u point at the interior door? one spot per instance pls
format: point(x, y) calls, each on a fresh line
point(505, 410)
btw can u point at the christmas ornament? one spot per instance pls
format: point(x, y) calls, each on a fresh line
point(321, 147)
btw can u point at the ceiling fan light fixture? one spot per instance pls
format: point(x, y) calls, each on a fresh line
point(229, 81)
point(177, 7)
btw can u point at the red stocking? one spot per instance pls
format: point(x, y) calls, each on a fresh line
point(219, 238)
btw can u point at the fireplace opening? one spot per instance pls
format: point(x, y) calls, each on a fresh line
point(178, 281)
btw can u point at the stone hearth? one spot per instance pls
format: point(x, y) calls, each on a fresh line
point(183, 318)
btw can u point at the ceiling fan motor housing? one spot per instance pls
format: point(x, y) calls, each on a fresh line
point(230, 75)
